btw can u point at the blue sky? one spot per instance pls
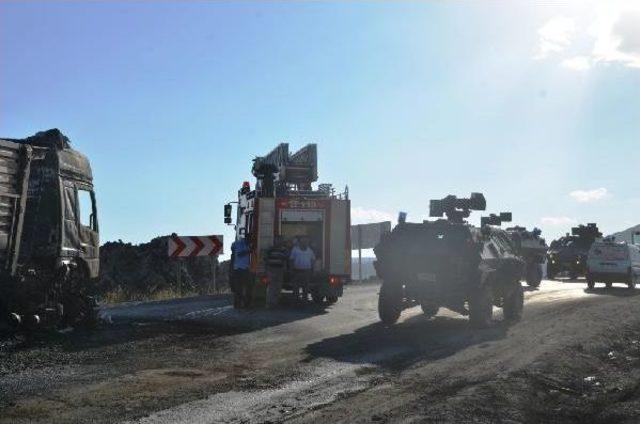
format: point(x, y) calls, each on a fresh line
point(536, 106)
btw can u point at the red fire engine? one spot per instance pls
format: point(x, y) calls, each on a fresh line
point(284, 203)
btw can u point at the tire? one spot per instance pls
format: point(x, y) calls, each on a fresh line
point(632, 282)
point(551, 272)
point(481, 307)
point(513, 303)
point(534, 275)
point(429, 309)
point(390, 303)
point(332, 299)
point(78, 308)
point(317, 298)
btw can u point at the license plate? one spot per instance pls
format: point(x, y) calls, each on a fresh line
point(427, 277)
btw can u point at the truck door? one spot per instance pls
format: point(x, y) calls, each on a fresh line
point(80, 225)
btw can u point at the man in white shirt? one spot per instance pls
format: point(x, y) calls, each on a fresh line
point(302, 261)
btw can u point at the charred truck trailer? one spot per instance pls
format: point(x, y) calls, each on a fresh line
point(49, 248)
point(285, 204)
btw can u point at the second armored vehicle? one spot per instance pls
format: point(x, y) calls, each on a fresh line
point(569, 253)
point(532, 249)
point(450, 263)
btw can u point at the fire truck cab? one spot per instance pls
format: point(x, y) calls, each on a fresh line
point(284, 203)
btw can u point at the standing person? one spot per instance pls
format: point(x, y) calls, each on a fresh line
point(302, 260)
point(276, 261)
point(240, 275)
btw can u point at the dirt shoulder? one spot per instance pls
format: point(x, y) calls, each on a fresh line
point(570, 361)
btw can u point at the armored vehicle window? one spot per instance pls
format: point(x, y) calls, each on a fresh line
point(85, 208)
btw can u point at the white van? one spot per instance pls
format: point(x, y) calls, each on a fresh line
point(609, 262)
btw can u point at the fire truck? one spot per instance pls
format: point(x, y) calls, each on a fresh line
point(284, 203)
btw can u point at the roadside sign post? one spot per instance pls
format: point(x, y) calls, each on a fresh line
point(367, 236)
point(194, 246)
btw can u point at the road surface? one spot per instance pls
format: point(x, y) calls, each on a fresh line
point(200, 361)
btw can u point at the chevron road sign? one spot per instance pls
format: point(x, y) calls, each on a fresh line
point(191, 246)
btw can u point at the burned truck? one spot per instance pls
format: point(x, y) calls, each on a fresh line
point(568, 254)
point(49, 247)
point(285, 205)
point(532, 249)
point(450, 263)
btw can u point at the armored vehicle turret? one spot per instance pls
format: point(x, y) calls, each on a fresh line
point(450, 263)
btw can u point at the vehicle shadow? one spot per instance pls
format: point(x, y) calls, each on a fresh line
point(399, 346)
point(189, 317)
point(613, 291)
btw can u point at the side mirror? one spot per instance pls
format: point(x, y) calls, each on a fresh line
point(227, 213)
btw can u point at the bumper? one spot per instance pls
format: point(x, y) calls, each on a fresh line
point(608, 277)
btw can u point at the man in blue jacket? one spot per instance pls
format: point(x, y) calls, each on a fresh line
point(241, 279)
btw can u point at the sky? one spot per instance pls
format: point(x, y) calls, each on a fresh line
point(535, 105)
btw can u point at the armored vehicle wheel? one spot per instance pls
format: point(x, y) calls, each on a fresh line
point(481, 307)
point(390, 303)
point(513, 303)
point(608, 285)
point(430, 309)
point(332, 299)
point(534, 275)
point(590, 283)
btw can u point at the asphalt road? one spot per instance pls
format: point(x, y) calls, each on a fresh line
point(200, 361)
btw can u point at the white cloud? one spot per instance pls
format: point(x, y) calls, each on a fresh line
point(555, 35)
point(609, 35)
point(557, 221)
point(585, 196)
point(577, 63)
point(364, 216)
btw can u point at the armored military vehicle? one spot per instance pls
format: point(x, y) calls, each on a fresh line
point(49, 248)
point(569, 253)
point(532, 249)
point(450, 263)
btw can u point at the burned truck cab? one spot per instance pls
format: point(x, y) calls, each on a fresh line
point(49, 243)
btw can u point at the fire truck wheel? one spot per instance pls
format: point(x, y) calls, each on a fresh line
point(317, 298)
point(390, 303)
point(79, 308)
point(332, 299)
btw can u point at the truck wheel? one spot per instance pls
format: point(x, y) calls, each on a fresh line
point(429, 309)
point(390, 303)
point(332, 299)
point(551, 272)
point(481, 307)
point(78, 308)
point(534, 275)
point(513, 303)
point(632, 281)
